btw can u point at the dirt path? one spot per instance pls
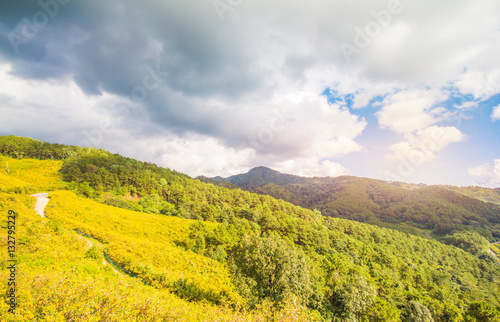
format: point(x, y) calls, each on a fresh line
point(90, 244)
point(42, 199)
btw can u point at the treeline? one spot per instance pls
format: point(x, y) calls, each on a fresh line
point(19, 148)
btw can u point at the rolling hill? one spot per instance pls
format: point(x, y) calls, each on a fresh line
point(193, 251)
point(419, 209)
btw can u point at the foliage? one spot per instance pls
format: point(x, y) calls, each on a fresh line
point(143, 244)
point(58, 281)
point(417, 209)
point(469, 241)
point(416, 312)
point(270, 268)
point(200, 244)
point(352, 298)
point(482, 311)
point(481, 193)
point(19, 148)
point(495, 249)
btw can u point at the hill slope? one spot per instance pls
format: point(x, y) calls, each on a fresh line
point(481, 193)
point(212, 251)
point(403, 206)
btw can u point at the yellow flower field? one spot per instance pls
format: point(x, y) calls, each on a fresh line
point(57, 279)
point(43, 175)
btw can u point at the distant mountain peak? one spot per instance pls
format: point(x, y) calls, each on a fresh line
point(258, 176)
point(261, 170)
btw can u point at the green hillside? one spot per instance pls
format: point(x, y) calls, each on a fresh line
point(419, 209)
point(186, 250)
point(481, 193)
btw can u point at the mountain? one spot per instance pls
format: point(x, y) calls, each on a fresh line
point(259, 176)
point(419, 209)
point(124, 240)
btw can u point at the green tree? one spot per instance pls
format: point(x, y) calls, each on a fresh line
point(469, 241)
point(417, 312)
point(353, 298)
point(270, 268)
point(151, 203)
point(482, 312)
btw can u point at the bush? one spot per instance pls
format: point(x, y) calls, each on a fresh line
point(93, 253)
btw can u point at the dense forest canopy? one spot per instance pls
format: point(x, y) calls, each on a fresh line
point(419, 209)
point(268, 250)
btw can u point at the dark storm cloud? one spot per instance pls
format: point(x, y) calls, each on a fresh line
point(106, 42)
point(113, 46)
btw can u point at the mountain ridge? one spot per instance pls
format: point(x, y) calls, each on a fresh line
point(437, 209)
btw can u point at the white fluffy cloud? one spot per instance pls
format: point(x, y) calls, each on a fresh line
point(421, 146)
point(413, 114)
point(411, 110)
point(480, 84)
point(488, 173)
point(311, 167)
point(495, 115)
point(193, 155)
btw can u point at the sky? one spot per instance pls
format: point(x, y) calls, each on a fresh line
point(398, 90)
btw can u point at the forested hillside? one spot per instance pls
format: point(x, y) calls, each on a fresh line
point(484, 194)
point(199, 252)
point(426, 210)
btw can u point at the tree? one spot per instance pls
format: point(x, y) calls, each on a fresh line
point(469, 241)
point(352, 298)
point(151, 203)
point(417, 312)
point(482, 312)
point(270, 268)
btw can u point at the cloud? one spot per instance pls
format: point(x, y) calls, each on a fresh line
point(311, 167)
point(361, 100)
point(121, 125)
point(249, 86)
point(193, 155)
point(58, 111)
point(466, 106)
point(495, 115)
point(411, 110)
point(106, 45)
point(488, 173)
point(480, 84)
point(421, 146)
point(204, 81)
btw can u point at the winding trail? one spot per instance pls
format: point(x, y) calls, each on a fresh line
point(90, 244)
point(42, 199)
